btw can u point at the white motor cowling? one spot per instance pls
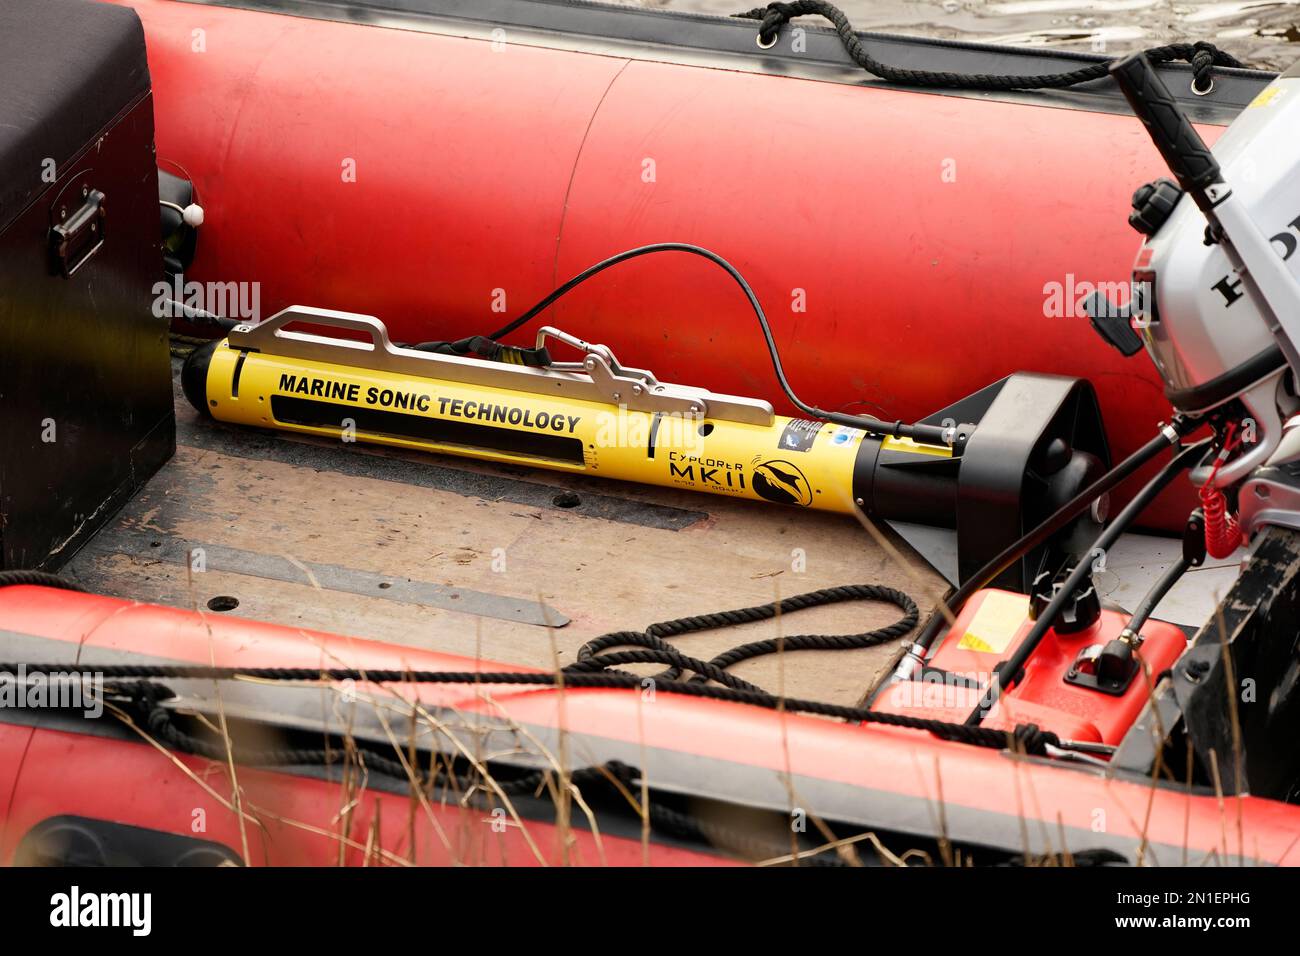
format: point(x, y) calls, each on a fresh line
point(1217, 330)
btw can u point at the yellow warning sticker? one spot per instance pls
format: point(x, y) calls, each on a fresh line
point(1266, 97)
point(995, 623)
point(907, 444)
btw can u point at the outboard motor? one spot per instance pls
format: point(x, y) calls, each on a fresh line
point(1219, 294)
point(1216, 293)
point(1216, 303)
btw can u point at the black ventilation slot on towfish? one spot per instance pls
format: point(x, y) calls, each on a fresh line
point(289, 410)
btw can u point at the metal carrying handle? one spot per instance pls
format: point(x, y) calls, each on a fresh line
point(598, 378)
point(272, 329)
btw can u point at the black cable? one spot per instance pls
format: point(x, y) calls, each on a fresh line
point(175, 309)
point(1202, 56)
point(940, 616)
point(1007, 671)
point(928, 434)
point(1156, 594)
point(485, 348)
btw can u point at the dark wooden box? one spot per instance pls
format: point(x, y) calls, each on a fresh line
point(86, 413)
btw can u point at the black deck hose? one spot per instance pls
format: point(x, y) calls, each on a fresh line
point(1156, 594)
point(1008, 669)
point(939, 617)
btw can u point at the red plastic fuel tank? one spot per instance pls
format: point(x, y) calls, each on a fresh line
point(989, 629)
point(904, 243)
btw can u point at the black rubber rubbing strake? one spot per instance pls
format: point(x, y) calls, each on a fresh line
point(1202, 56)
point(38, 578)
point(613, 775)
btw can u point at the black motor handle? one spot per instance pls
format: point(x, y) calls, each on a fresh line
point(1186, 154)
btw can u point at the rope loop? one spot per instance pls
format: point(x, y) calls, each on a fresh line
point(1202, 55)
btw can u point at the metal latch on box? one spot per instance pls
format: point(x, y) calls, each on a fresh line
point(77, 235)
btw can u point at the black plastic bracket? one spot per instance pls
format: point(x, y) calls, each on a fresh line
point(1113, 323)
point(1113, 687)
point(1040, 443)
point(179, 241)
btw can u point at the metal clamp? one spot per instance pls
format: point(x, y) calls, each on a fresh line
point(597, 378)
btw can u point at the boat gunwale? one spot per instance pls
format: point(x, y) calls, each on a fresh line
point(690, 38)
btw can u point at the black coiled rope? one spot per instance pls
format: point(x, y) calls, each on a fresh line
point(1202, 56)
point(591, 670)
point(596, 656)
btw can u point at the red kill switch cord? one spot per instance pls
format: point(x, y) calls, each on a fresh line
point(1222, 532)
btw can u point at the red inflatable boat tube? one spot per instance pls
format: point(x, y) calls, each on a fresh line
point(910, 247)
point(886, 778)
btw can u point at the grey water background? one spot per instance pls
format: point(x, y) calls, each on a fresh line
point(1262, 33)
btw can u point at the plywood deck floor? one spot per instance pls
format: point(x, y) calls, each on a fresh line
point(475, 559)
